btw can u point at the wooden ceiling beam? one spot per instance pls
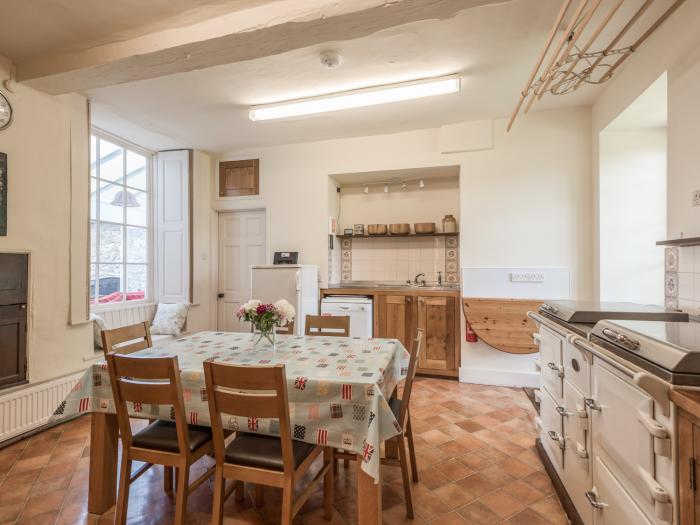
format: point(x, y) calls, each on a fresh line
point(250, 34)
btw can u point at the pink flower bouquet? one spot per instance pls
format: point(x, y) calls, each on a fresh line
point(266, 317)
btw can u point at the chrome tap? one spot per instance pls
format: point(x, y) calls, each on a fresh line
point(417, 282)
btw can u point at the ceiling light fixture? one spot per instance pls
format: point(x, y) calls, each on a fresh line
point(386, 188)
point(421, 184)
point(403, 186)
point(366, 190)
point(358, 98)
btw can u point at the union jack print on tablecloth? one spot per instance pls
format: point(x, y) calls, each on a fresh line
point(84, 404)
point(336, 411)
point(322, 436)
point(300, 383)
point(367, 451)
point(346, 392)
point(253, 424)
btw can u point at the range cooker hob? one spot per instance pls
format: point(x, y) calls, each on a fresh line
point(669, 350)
point(581, 316)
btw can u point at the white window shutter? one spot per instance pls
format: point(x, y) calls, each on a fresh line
point(172, 221)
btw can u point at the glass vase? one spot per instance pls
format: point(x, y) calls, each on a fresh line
point(265, 337)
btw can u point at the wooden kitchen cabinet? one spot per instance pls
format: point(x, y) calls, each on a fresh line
point(436, 317)
point(688, 436)
point(399, 313)
point(396, 317)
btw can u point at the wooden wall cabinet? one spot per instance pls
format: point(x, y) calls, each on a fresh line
point(239, 178)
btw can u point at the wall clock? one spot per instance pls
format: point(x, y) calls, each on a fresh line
point(5, 112)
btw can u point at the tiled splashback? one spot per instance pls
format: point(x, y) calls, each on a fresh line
point(682, 283)
point(400, 259)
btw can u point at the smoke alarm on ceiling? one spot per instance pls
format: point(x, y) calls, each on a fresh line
point(330, 59)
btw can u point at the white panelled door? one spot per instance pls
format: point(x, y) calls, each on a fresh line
point(241, 245)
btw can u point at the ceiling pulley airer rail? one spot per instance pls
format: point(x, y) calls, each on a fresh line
point(572, 63)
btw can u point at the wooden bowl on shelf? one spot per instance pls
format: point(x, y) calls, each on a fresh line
point(424, 227)
point(376, 229)
point(399, 229)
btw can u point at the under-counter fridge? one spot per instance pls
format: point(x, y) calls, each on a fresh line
point(297, 283)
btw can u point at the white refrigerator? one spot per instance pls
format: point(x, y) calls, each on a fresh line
point(297, 283)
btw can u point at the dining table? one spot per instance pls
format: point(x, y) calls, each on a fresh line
point(338, 389)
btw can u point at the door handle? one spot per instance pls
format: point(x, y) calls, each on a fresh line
point(593, 500)
point(220, 295)
point(590, 403)
point(556, 368)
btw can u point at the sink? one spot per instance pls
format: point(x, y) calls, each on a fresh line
point(394, 285)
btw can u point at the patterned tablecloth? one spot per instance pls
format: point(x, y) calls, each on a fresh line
point(338, 387)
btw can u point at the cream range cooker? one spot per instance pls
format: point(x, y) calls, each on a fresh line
point(606, 422)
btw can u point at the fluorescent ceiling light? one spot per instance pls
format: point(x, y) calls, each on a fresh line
point(357, 99)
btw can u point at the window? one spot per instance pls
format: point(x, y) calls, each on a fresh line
point(120, 222)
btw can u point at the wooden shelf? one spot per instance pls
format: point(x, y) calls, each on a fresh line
point(365, 236)
point(690, 241)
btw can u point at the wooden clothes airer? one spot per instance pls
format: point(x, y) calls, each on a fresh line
point(561, 76)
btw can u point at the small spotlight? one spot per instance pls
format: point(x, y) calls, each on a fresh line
point(421, 184)
point(366, 190)
point(386, 188)
point(403, 186)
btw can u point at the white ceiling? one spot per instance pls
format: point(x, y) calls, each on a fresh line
point(491, 47)
point(38, 28)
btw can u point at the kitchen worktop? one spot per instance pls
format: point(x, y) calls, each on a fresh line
point(380, 286)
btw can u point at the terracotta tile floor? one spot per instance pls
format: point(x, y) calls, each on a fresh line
point(476, 460)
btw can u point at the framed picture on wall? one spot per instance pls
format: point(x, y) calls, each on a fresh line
point(359, 229)
point(3, 194)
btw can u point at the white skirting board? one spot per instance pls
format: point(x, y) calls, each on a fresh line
point(27, 408)
point(486, 376)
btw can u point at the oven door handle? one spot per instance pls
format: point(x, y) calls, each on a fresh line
point(663, 508)
point(661, 435)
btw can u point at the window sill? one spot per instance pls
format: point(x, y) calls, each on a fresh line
point(120, 306)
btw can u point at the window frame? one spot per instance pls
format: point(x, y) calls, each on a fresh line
point(150, 223)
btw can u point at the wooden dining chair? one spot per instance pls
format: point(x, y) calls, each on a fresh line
point(155, 381)
point(260, 392)
point(287, 329)
point(127, 339)
point(399, 407)
point(333, 325)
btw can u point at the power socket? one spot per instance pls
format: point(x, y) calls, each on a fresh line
point(696, 198)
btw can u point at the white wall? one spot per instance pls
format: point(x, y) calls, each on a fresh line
point(673, 48)
point(683, 150)
point(38, 147)
point(200, 315)
point(527, 202)
point(632, 215)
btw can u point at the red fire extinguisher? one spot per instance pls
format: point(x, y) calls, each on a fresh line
point(471, 334)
